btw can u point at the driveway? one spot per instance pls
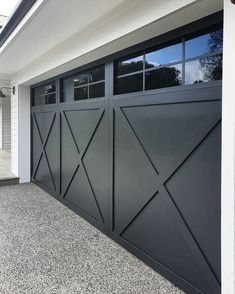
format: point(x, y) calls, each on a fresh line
point(47, 248)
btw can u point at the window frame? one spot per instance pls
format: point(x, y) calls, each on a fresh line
point(178, 40)
point(88, 84)
point(43, 96)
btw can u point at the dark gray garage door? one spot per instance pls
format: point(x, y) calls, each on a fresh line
point(142, 165)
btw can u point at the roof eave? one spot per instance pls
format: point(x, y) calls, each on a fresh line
point(18, 14)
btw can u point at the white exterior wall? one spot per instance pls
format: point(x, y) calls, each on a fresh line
point(20, 133)
point(14, 133)
point(6, 122)
point(5, 116)
point(228, 145)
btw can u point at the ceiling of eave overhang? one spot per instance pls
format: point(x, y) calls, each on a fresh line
point(53, 23)
point(57, 24)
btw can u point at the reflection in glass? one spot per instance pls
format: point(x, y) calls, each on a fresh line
point(164, 56)
point(208, 43)
point(97, 74)
point(133, 83)
point(130, 65)
point(81, 93)
point(204, 70)
point(38, 91)
point(96, 90)
point(81, 79)
point(163, 77)
point(49, 88)
point(50, 99)
point(44, 94)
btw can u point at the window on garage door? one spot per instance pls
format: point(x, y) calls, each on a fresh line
point(83, 85)
point(45, 94)
point(192, 59)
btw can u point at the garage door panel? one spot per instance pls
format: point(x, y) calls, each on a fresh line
point(84, 164)
point(96, 164)
point(36, 145)
point(82, 125)
point(135, 178)
point(165, 135)
point(44, 121)
point(165, 243)
point(52, 153)
point(80, 194)
point(45, 169)
point(69, 153)
point(195, 188)
point(43, 174)
point(164, 129)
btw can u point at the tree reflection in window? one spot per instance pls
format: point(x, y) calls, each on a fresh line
point(212, 65)
point(130, 65)
point(163, 77)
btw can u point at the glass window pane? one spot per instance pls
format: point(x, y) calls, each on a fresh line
point(204, 69)
point(97, 74)
point(208, 43)
point(81, 93)
point(163, 77)
point(129, 84)
point(38, 91)
point(50, 99)
point(81, 79)
point(41, 94)
point(130, 65)
point(50, 88)
point(164, 56)
point(96, 90)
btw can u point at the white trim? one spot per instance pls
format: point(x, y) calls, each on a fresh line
point(228, 152)
point(24, 134)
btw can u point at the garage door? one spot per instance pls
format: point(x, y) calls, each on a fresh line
point(133, 146)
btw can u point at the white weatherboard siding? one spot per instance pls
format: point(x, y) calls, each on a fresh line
point(14, 133)
point(6, 122)
point(228, 152)
point(20, 134)
point(5, 115)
